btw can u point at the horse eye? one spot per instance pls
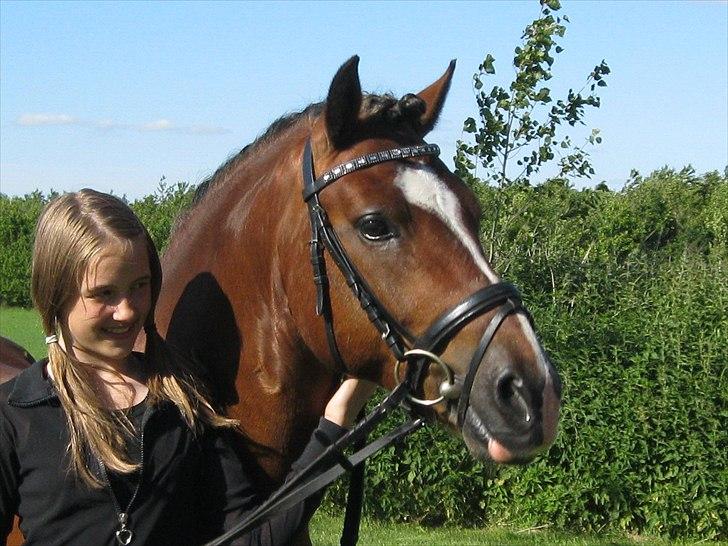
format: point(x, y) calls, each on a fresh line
point(375, 227)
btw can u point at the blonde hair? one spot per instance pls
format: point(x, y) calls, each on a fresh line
point(71, 231)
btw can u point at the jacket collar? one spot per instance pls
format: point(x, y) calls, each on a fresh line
point(32, 387)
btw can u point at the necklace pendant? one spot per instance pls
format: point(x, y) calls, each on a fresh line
point(123, 535)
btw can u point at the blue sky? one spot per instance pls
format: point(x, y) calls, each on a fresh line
point(116, 95)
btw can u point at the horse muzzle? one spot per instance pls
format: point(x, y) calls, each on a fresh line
point(513, 416)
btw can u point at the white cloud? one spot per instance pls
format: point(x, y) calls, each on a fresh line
point(159, 125)
point(109, 124)
point(167, 125)
point(46, 119)
point(206, 130)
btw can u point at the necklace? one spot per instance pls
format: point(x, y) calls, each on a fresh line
point(124, 535)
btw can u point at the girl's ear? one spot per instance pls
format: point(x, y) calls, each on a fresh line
point(343, 103)
point(434, 97)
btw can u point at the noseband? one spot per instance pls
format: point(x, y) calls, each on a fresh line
point(423, 349)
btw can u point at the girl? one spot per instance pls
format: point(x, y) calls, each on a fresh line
point(103, 445)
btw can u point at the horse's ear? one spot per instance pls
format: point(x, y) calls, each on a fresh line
point(343, 103)
point(434, 97)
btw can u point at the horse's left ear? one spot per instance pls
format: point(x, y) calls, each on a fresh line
point(434, 97)
point(343, 103)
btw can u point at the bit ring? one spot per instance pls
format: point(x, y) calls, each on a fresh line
point(449, 383)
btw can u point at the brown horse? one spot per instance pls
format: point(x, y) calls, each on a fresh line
point(13, 360)
point(239, 296)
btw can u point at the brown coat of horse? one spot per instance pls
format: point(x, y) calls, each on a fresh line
point(238, 293)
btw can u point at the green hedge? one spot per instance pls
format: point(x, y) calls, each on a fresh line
point(18, 216)
point(629, 290)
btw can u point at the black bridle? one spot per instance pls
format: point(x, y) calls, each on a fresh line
point(418, 352)
point(425, 348)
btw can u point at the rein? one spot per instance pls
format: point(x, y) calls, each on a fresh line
point(418, 352)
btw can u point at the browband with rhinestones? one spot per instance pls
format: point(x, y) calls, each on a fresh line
point(367, 161)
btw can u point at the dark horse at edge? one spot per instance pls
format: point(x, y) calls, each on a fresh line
point(13, 359)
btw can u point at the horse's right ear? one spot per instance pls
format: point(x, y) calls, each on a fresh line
point(343, 103)
point(434, 97)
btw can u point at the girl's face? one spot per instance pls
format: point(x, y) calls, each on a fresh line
point(105, 318)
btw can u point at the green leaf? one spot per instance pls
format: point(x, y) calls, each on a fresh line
point(488, 67)
point(553, 4)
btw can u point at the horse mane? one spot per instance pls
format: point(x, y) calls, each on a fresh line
point(379, 114)
point(273, 131)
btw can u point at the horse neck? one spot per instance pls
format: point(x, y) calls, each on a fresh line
point(234, 250)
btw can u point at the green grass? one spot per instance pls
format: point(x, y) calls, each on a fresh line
point(326, 531)
point(23, 327)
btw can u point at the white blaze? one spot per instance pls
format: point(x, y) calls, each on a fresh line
point(422, 188)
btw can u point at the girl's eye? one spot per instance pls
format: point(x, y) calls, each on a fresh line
point(140, 284)
point(375, 227)
point(102, 295)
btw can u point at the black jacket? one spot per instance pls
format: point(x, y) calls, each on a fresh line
point(192, 488)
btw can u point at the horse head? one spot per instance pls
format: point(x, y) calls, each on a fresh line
point(239, 293)
point(409, 228)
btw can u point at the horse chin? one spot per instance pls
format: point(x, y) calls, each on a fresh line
point(484, 447)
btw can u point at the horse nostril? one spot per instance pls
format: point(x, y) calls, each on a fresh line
point(507, 387)
point(511, 395)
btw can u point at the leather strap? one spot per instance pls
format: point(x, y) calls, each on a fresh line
point(464, 400)
point(310, 479)
point(452, 321)
point(392, 332)
point(362, 162)
point(355, 497)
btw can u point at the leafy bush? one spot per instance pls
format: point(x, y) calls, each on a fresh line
point(159, 211)
point(18, 216)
